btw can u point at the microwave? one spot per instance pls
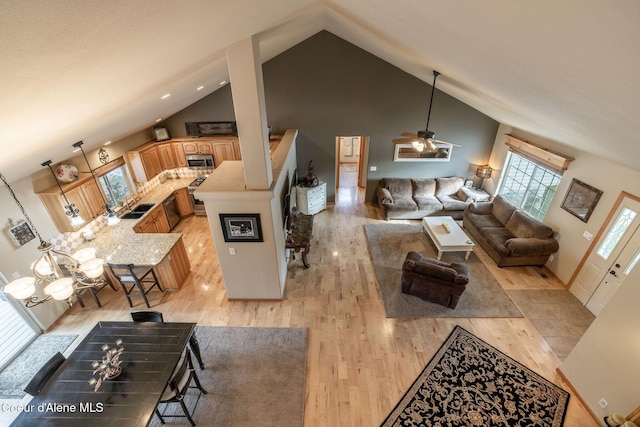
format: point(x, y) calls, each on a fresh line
point(200, 161)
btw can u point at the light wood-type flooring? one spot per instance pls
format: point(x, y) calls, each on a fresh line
point(359, 363)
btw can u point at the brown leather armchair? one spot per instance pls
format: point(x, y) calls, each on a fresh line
point(432, 280)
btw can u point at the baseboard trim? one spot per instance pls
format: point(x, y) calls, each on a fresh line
point(575, 394)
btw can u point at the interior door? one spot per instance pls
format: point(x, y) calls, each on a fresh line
point(618, 272)
point(618, 232)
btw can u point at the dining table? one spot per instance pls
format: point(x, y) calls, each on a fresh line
point(151, 354)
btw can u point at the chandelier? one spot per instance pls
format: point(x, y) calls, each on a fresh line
point(59, 273)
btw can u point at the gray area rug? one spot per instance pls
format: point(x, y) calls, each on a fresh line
point(389, 245)
point(19, 372)
point(253, 376)
point(557, 315)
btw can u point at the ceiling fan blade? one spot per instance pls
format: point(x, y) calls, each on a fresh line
point(404, 140)
point(409, 135)
point(445, 142)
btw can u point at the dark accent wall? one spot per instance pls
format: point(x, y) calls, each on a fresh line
point(326, 87)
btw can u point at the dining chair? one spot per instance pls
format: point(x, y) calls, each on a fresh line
point(156, 316)
point(132, 278)
point(179, 384)
point(44, 373)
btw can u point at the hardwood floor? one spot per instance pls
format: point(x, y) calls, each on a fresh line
point(359, 363)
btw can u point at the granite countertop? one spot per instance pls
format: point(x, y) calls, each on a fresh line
point(120, 244)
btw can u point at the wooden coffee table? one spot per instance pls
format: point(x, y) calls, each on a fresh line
point(452, 240)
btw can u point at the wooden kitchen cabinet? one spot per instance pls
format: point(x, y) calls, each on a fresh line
point(178, 152)
point(183, 199)
point(154, 222)
point(144, 162)
point(197, 147)
point(166, 156)
point(223, 150)
point(83, 193)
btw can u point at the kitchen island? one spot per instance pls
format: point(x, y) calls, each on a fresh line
point(164, 252)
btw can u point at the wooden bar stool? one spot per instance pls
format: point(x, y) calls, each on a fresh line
point(131, 277)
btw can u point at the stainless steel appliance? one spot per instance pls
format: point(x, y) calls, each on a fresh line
point(200, 161)
point(198, 205)
point(170, 206)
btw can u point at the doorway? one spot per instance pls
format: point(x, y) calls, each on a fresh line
point(614, 254)
point(16, 332)
point(350, 167)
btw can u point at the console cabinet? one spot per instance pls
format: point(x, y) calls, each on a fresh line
point(311, 200)
point(183, 198)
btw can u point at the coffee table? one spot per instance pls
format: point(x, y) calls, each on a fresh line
point(452, 240)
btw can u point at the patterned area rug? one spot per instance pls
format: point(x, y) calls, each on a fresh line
point(19, 372)
point(470, 383)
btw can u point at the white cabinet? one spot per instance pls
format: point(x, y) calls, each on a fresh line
point(311, 200)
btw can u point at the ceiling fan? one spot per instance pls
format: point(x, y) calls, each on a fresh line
point(424, 140)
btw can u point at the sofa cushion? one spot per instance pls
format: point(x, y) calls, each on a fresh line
point(503, 209)
point(424, 187)
point(522, 225)
point(482, 221)
point(428, 203)
point(452, 203)
point(448, 186)
point(496, 238)
point(398, 187)
point(402, 203)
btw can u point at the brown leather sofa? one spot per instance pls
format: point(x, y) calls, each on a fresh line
point(432, 280)
point(509, 236)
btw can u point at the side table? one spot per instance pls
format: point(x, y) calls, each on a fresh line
point(299, 238)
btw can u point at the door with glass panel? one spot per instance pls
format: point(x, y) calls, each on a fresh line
point(614, 256)
point(15, 331)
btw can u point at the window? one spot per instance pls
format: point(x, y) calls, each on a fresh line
point(529, 185)
point(115, 185)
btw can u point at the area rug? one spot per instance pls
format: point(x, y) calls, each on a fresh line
point(19, 372)
point(470, 383)
point(389, 245)
point(253, 376)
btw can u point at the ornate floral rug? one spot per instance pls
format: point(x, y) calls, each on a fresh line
point(470, 383)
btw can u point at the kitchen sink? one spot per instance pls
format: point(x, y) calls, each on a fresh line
point(143, 207)
point(133, 215)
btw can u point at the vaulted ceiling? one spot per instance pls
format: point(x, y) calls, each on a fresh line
point(95, 71)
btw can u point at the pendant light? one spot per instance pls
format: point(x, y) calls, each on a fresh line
point(112, 218)
point(70, 209)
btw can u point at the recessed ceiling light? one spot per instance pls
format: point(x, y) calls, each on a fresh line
point(165, 96)
point(75, 150)
point(223, 82)
point(158, 120)
point(107, 143)
point(200, 88)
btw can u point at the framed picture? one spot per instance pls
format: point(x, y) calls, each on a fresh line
point(161, 134)
point(20, 233)
point(581, 199)
point(241, 227)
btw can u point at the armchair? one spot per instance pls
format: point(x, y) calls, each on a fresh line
point(432, 280)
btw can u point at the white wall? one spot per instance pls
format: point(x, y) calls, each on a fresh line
point(604, 363)
point(606, 176)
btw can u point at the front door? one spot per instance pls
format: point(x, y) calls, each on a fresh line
point(618, 232)
point(617, 273)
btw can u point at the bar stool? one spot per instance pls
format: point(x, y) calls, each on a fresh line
point(131, 277)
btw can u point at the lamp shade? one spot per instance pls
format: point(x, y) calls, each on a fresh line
point(112, 219)
point(84, 255)
point(21, 288)
point(484, 171)
point(42, 267)
point(60, 289)
point(76, 220)
point(93, 268)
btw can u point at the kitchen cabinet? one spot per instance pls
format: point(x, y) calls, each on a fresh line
point(155, 221)
point(178, 152)
point(223, 150)
point(311, 200)
point(183, 199)
point(144, 162)
point(198, 147)
point(236, 149)
point(83, 193)
point(166, 156)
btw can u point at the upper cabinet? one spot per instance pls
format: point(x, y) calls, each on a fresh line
point(223, 150)
point(167, 156)
point(144, 162)
point(198, 147)
point(83, 193)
